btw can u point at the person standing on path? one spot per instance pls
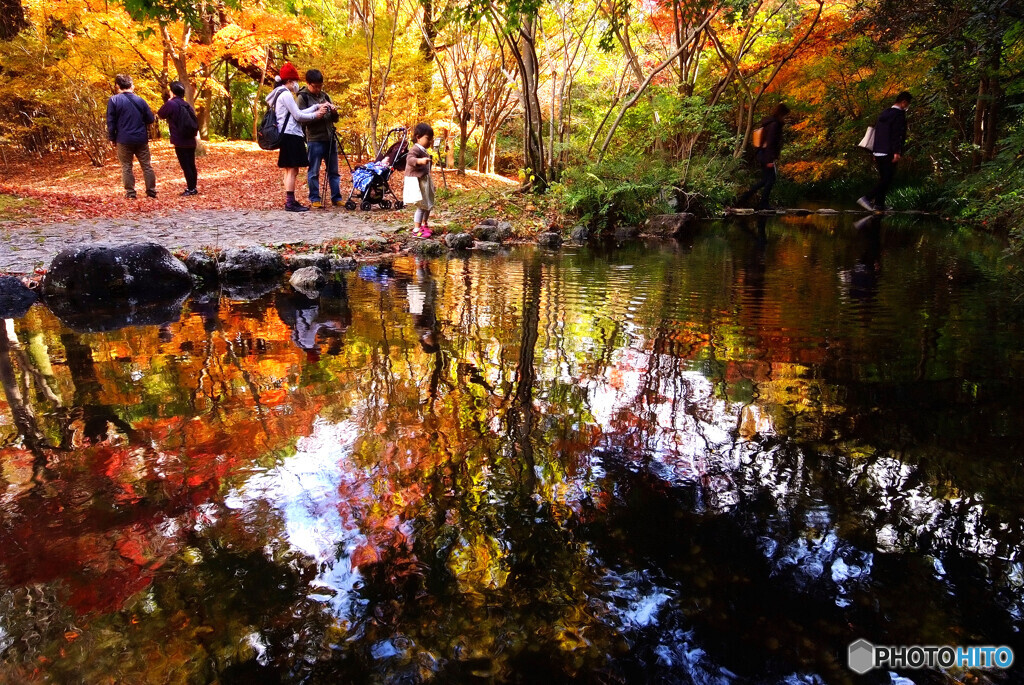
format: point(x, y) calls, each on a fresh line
point(184, 126)
point(767, 156)
point(419, 187)
point(128, 116)
point(292, 151)
point(320, 140)
point(890, 138)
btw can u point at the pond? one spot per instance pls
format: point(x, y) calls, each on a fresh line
point(720, 459)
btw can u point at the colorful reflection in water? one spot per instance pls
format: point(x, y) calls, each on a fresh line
point(718, 460)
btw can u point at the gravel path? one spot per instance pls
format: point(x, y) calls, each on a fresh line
point(25, 247)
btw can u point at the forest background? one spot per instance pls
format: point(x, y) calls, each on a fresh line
point(612, 108)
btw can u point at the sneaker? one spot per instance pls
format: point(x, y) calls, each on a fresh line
point(190, 192)
point(425, 232)
point(295, 206)
point(151, 193)
point(417, 232)
point(863, 202)
point(133, 196)
point(338, 203)
point(316, 204)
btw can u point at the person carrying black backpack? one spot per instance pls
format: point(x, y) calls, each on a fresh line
point(184, 125)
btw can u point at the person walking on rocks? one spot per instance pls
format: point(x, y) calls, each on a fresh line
point(292, 151)
point(890, 139)
point(419, 187)
point(128, 117)
point(320, 140)
point(768, 150)
point(184, 125)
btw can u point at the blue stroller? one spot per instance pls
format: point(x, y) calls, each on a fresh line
point(370, 181)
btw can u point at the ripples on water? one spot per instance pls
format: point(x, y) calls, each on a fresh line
point(717, 460)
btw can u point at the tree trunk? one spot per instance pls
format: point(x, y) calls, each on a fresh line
point(979, 122)
point(225, 129)
point(12, 19)
point(533, 125)
point(463, 136)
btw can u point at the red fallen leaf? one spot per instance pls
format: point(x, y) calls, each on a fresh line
point(364, 554)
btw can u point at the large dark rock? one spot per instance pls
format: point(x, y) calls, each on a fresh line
point(15, 298)
point(458, 241)
point(320, 260)
point(143, 272)
point(427, 248)
point(549, 239)
point(250, 263)
point(487, 246)
point(308, 281)
point(202, 266)
point(580, 234)
point(668, 225)
point(493, 232)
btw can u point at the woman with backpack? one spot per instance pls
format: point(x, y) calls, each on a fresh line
point(292, 149)
point(184, 125)
point(769, 147)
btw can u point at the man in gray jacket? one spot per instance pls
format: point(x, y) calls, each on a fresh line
point(320, 141)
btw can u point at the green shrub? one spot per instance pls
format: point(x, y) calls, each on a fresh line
point(630, 188)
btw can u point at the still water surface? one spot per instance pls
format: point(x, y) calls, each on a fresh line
point(716, 460)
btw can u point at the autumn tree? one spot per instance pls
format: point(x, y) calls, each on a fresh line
point(12, 18)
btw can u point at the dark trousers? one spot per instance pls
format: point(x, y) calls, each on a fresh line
point(187, 160)
point(767, 182)
point(886, 170)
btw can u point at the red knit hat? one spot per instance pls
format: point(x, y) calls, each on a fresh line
point(288, 72)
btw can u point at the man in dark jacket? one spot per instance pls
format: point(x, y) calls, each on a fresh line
point(320, 143)
point(767, 155)
point(128, 115)
point(184, 126)
point(890, 138)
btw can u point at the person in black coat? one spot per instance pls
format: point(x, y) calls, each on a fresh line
point(184, 127)
point(890, 138)
point(767, 155)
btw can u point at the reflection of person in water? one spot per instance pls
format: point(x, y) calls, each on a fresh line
point(863, 279)
point(422, 294)
point(754, 265)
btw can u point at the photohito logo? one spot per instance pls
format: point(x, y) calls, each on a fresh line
point(864, 656)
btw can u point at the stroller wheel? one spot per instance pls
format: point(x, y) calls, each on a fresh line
point(350, 205)
point(399, 204)
point(365, 206)
point(385, 204)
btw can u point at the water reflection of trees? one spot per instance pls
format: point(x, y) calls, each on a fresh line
point(607, 463)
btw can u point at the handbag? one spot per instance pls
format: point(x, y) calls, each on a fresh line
point(411, 190)
point(868, 141)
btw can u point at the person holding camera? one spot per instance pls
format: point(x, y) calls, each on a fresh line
point(320, 141)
